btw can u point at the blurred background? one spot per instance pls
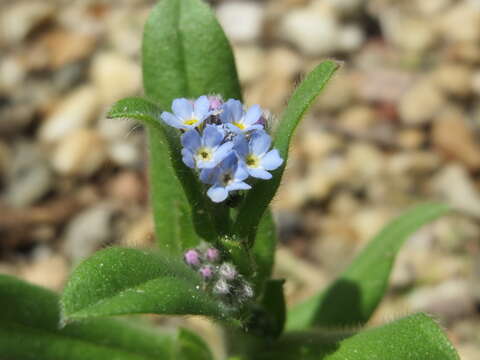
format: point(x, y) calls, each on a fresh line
point(397, 125)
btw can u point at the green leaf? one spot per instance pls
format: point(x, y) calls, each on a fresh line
point(416, 337)
point(353, 297)
point(174, 228)
point(119, 281)
point(261, 194)
point(264, 250)
point(29, 330)
point(146, 112)
point(273, 301)
point(191, 347)
point(186, 54)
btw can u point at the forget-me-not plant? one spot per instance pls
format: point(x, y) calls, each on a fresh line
point(216, 253)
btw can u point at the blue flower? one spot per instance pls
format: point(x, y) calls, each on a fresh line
point(228, 176)
point(187, 114)
point(254, 153)
point(207, 151)
point(239, 121)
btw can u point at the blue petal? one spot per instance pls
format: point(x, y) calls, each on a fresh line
point(171, 119)
point(259, 173)
point(187, 157)
point(209, 176)
point(255, 127)
point(253, 115)
point(225, 115)
point(241, 172)
point(229, 163)
point(236, 107)
point(212, 137)
point(238, 186)
point(217, 193)
point(183, 108)
point(223, 151)
point(191, 140)
point(260, 143)
point(241, 146)
point(202, 164)
point(233, 128)
point(271, 160)
point(201, 107)
point(232, 111)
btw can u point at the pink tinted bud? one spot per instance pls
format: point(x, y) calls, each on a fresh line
point(215, 102)
point(212, 254)
point(192, 257)
point(206, 272)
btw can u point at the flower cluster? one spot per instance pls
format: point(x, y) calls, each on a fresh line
point(221, 278)
point(223, 142)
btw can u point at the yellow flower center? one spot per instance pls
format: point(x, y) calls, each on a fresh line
point(239, 125)
point(204, 154)
point(252, 161)
point(191, 121)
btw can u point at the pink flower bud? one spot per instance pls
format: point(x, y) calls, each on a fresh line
point(215, 102)
point(206, 271)
point(212, 254)
point(192, 257)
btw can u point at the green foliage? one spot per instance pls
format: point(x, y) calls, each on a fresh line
point(29, 330)
point(273, 302)
point(352, 298)
point(264, 250)
point(416, 337)
point(191, 347)
point(119, 281)
point(186, 54)
point(259, 197)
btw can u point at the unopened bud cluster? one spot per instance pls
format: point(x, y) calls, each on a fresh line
point(220, 277)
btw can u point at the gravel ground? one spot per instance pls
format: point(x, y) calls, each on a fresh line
point(398, 124)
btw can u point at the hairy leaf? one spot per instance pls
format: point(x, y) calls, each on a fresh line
point(261, 194)
point(273, 302)
point(186, 54)
point(264, 250)
point(412, 338)
point(119, 281)
point(29, 329)
point(353, 297)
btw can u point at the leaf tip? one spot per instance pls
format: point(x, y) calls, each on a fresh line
point(336, 63)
